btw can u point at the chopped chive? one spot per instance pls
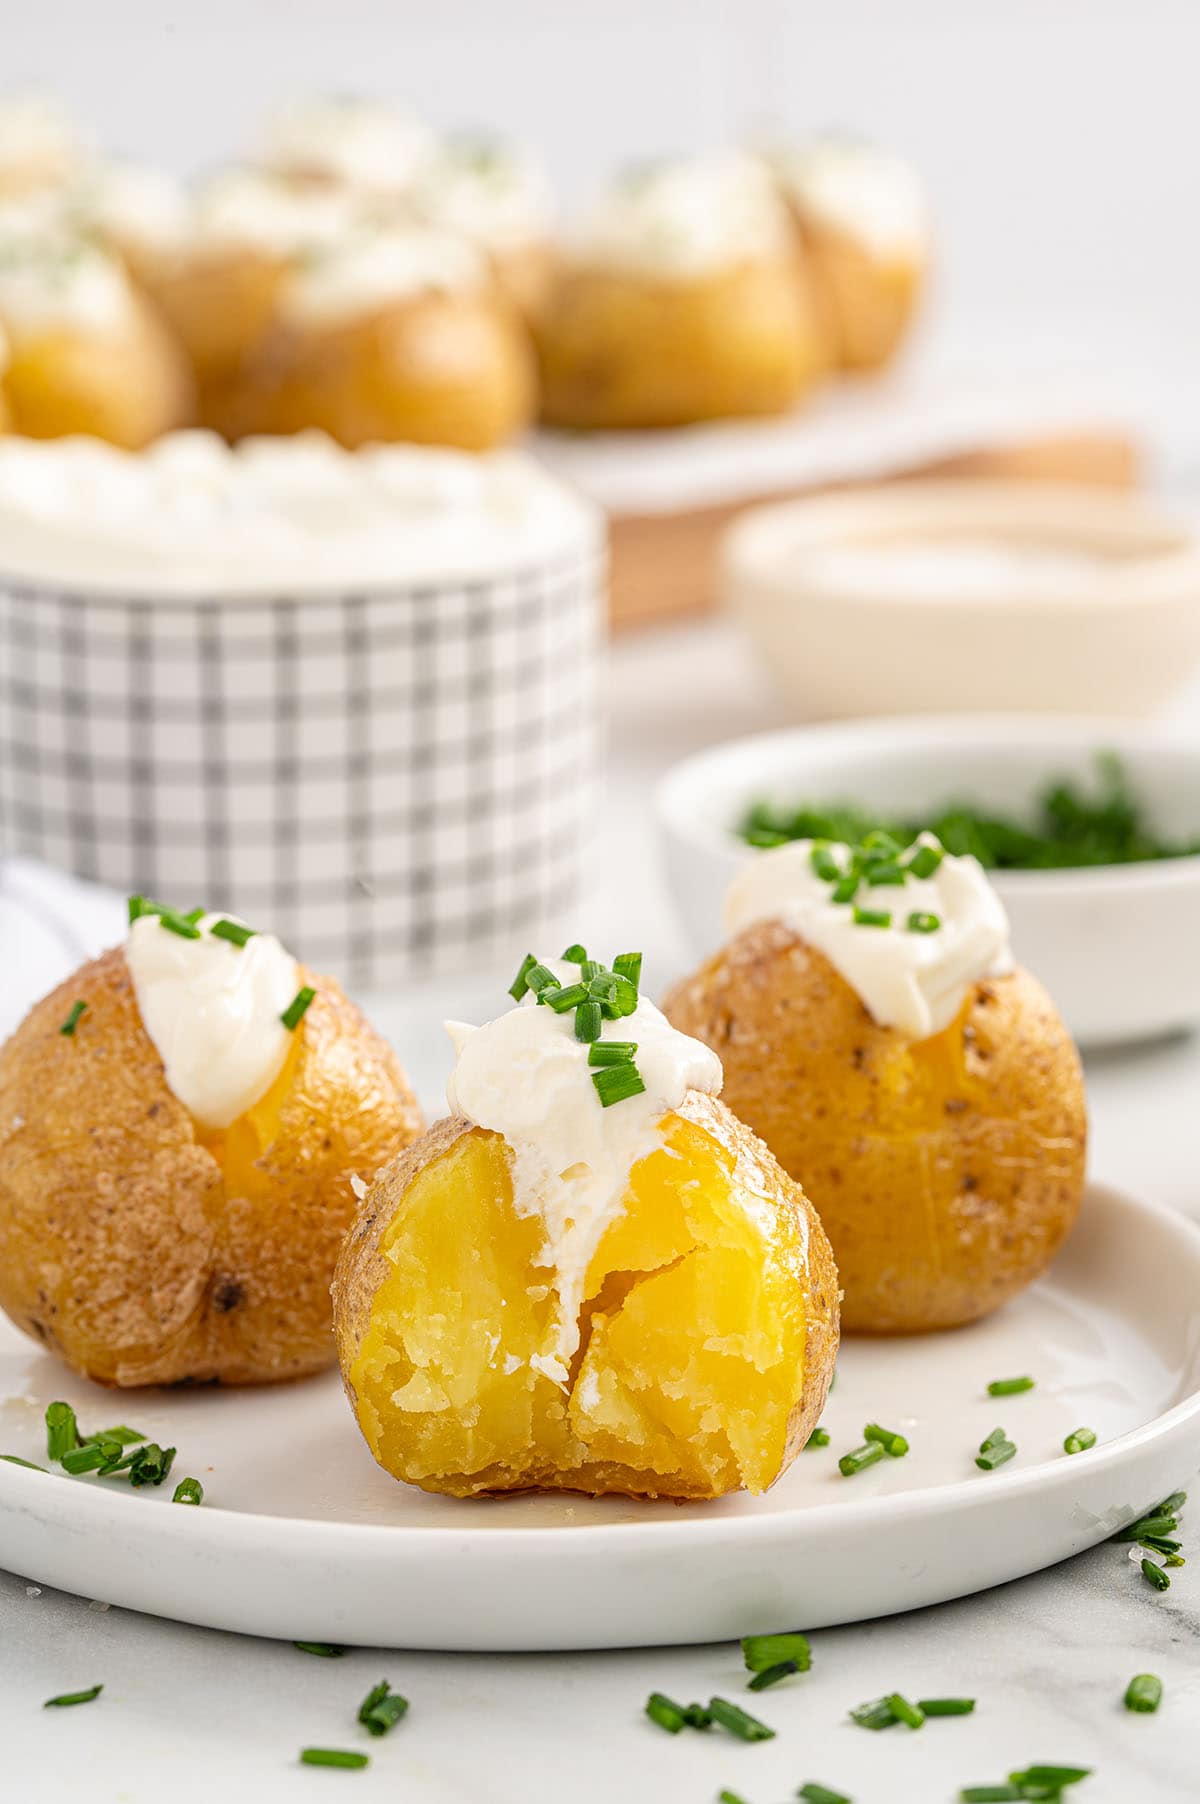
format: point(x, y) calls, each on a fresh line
point(1172, 1505)
point(623, 1000)
point(14, 1459)
point(615, 1083)
point(994, 1439)
point(1163, 1544)
point(879, 841)
point(872, 917)
point(188, 1490)
point(925, 860)
point(1079, 1440)
point(325, 1650)
point(1147, 1525)
point(233, 931)
point(540, 978)
point(294, 1013)
point(666, 1712)
point(67, 1698)
point(177, 923)
point(1154, 1575)
point(892, 1443)
point(903, 1711)
point(588, 1021)
point(78, 1009)
point(518, 986)
point(988, 1794)
point(90, 1457)
point(629, 966)
point(381, 1709)
point(574, 955)
point(860, 1459)
point(846, 889)
point(738, 1722)
point(818, 1438)
point(1010, 1387)
point(824, 863)
point(998, 1455)
point(612, 1052)
point(126, 1436)
point(812, 1793)
point(562, 1000)
point(1143, 1693)
point(697, 1717)
point(763, 1651)
point(725, 1796)
point(885, 875)
point(589, 968)
point(946, 1706)
point(333, 1757)
point(877, 1714)
point(151, 1464)
point(920, 921)
point(771, 1675)
point(139, 906)
point(194, 915)
point(1054, 1777)
point(62, 1430)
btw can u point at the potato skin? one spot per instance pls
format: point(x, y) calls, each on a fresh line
point(362, 1268)
point(121, 1248)
point(126, 387)
point(947, 1171)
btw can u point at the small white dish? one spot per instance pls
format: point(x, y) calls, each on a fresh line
point(301, 1536)
point(927, 597)
point(1117, 946)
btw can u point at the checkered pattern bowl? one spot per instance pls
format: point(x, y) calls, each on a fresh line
point(391, 778)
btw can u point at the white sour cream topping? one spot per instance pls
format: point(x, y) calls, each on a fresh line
point(915, 982)
point(859, 189)
point(688, 218)
point(375, 269)
point(527, 1077)
point(192, 515)
point(38, 142)
point(49, 281)
point(133, 205)
point(363, 143)
point(489, 192)
point(252, 210)
point(212, 1010)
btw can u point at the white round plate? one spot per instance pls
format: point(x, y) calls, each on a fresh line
point(301, 1536)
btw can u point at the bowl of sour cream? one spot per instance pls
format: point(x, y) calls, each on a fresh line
point(930, 597)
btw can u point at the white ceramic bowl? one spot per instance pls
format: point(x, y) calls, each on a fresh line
point(1118, 947)
point(930, 597)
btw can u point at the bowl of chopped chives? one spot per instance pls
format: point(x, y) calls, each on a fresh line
point(1089, 831)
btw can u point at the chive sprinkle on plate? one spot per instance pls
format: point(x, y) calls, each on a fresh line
point(738, 1722)
point(334, 1757)
point(812, 1793)
point(381, 1709)
point(324, 1650)
point(666, 1712)
point(1144, 1693)
point(946, 1706)
point(73, 1697)
point(1010, 1387)
point(861, 1458)
point(1079, 1440)
point(762, 1651)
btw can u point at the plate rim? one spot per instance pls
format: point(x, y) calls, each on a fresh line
point(92, 1508)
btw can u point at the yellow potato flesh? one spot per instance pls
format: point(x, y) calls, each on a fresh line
point(692, 1335)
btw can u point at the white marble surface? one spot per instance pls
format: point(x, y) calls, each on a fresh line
point(189, 1714)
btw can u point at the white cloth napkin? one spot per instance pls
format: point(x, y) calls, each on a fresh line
point(49, 924)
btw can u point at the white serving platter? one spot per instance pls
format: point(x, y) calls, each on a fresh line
point(301, 1536)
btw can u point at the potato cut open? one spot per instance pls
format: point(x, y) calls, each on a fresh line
point(693, 1364)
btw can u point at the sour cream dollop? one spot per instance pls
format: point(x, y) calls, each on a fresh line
point(213, 1012)
point(372, 270)
point(915, 982)
point(685, 218)
point(345, 138)
point(860, 189)
point(527, 1077)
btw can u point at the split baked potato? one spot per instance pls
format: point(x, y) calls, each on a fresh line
point(706, 1339)
point(947, 1171)
point(144, 1249)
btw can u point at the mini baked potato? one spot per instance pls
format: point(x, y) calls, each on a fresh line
point(623, 349)
point(707, 1334)
point(447, 368)
point(947, 1171)
point(145, 1250)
